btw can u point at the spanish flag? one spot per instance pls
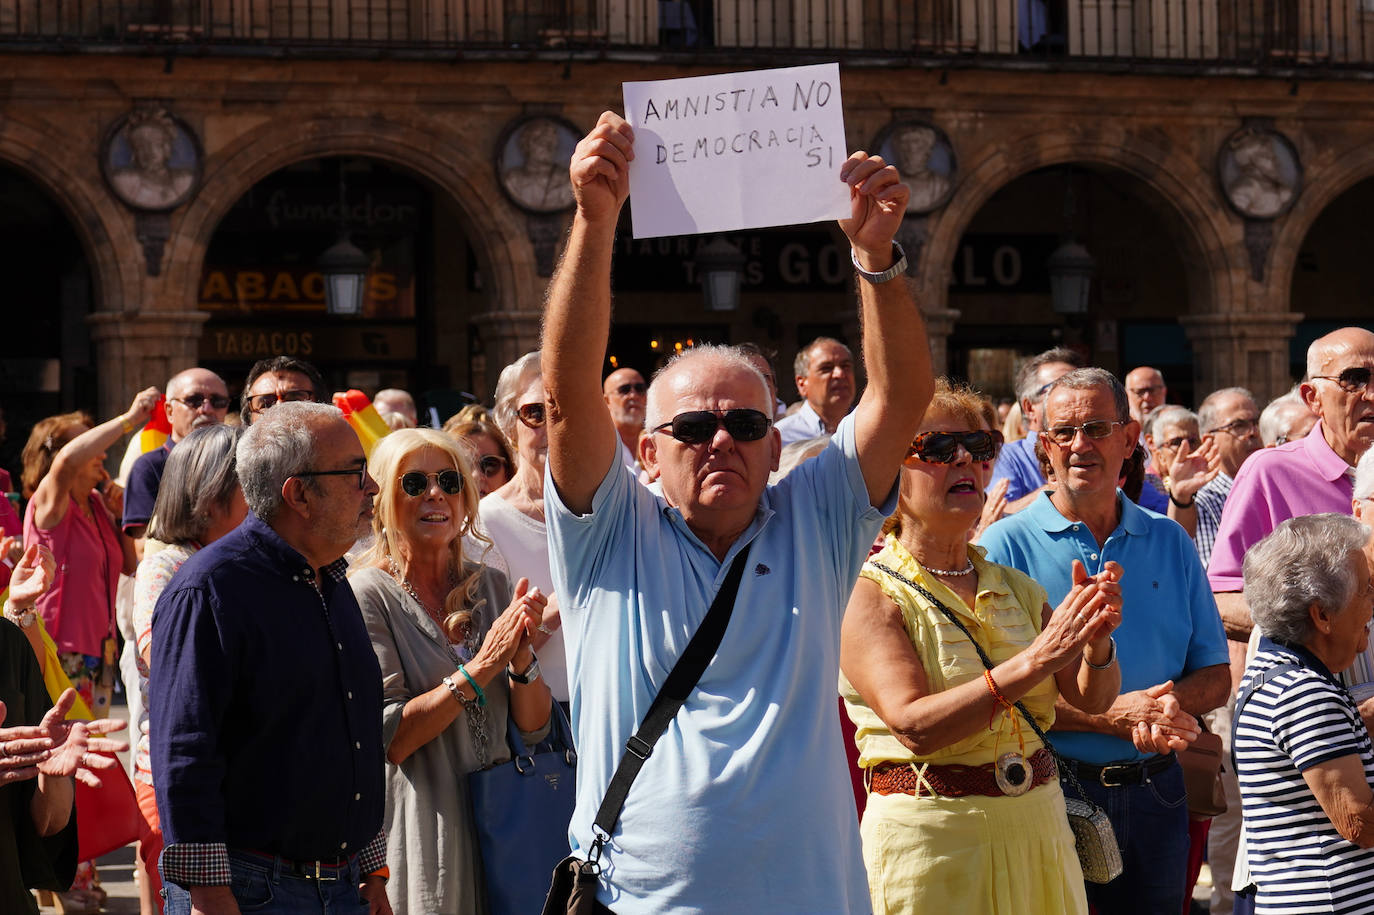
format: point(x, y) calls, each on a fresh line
point(159, 427)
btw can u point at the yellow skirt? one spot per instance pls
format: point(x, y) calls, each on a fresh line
point(1006, 855)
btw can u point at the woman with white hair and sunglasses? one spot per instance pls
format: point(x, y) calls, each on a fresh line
point(454, 642)
point(964, 811)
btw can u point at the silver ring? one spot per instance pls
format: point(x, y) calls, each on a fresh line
point(4, 748)
point(85, 764)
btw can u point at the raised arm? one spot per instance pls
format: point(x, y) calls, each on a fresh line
point(577, 317)
point(50, 499)
point(896, 354)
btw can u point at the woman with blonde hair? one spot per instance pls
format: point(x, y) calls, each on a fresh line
point(493, 460)
point(453, 641)
point(964, 811)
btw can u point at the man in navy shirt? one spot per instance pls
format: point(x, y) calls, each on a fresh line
point(196, 397)
point(265, 695)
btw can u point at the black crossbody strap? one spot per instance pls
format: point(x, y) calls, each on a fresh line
point(681, 681)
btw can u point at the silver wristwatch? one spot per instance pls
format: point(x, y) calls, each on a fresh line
point(529, 676)
point(897, 269)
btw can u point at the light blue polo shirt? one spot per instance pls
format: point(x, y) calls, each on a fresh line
point(745, 804)
point(1169, 620)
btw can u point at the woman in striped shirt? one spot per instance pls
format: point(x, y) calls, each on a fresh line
point(1302, 750)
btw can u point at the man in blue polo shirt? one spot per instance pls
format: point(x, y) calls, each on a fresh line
point(1172, 646)
point(744, 804)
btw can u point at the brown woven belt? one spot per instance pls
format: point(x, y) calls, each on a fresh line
point(952, 780)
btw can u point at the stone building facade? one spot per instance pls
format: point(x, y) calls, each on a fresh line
point(1183, 277)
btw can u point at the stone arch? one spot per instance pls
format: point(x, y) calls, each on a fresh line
point(1321, 188)
point(1181, 196)
point(55, 163)
point(426, 149)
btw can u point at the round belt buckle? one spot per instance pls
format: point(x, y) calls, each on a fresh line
point(1013, 774)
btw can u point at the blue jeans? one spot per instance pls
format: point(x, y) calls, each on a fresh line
point(1151, 825)
point(261, 885)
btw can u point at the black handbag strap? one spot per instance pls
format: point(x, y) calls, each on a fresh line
point(682, 679)
point(1067, 768)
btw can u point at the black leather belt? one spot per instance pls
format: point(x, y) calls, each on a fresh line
point(323, 870)
point(1123, 775)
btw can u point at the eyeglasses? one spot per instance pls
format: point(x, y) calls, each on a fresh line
point(696, 427)
point(1097, 428)
point(1354, 380)
point(491, 465)
point(638, 387)
point(1141, 392)
point(1173, 444)
point(943, 447)
point(532, 414)
point(1240, 428)
point(360, 472)
point(259, 402)
point(196, 401)
point(416, 482)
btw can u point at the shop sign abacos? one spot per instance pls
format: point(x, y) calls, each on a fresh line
point(295, 289)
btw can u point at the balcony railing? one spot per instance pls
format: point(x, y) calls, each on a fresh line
point(1316, 36)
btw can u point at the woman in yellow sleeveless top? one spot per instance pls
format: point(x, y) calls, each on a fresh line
point(965, 813)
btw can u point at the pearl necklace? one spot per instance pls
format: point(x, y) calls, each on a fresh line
point(956, 573)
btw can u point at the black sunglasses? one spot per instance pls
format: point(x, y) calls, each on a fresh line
point(1354, 380)
point(360, 472)
point(491, 465)
point(1240, 428)
point(416, 482)
point(638, 387)
point(531, 414)
point(195, 401)
point(698, 426)
point(943, 447)
point(259, 402)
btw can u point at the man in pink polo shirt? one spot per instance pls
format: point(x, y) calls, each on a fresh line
point(1300, 478)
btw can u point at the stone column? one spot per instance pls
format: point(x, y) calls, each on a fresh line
point(505, 336)
point(134, 351)
point(1249, 350)
point(940, 323)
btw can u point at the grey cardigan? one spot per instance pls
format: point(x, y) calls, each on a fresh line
point(431, 846)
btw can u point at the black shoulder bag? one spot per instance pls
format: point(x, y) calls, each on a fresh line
point(573, 891)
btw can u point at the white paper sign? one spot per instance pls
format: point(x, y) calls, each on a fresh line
point(737, 151)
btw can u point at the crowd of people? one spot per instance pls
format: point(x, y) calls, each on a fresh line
point(1021, 611)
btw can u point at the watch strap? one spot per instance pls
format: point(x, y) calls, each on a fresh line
point(897, 269)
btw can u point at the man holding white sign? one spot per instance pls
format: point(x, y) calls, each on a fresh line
point(744, 804)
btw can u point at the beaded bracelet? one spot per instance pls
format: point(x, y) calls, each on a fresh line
point(481, 696)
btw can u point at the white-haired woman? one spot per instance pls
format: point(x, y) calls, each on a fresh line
point(454, 644)
point(512, 517)
point(1303, 753)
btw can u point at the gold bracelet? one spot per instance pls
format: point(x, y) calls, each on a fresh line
point(126, 425)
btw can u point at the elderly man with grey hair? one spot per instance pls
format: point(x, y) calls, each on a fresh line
point(1171, 649)
point(1302, 746)
point(824, 375)
point(1184, 461)
point(1285, 419)
point(265, 695)
point(751, 767)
